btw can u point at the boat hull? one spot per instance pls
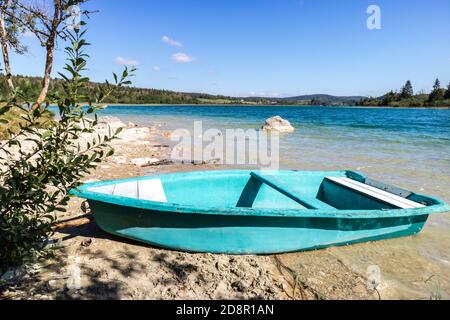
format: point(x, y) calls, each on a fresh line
point(248, 212)
point(246, 234)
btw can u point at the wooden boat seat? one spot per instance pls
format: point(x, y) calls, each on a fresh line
point(306, 201)
point(375, 193)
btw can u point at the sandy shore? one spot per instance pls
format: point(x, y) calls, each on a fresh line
point(114, 268)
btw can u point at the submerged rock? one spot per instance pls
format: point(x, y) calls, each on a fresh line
point(278, 124)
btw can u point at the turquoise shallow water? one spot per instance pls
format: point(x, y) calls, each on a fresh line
point(410, 145)
point(409, 148)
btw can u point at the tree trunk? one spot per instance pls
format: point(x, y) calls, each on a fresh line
point(47, 73)
point(50, 51)
point(4, 45)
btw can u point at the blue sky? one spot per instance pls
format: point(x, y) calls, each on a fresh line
point(265, 47)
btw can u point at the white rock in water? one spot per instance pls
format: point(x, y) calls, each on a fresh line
point(144, 161)
point(278, 124)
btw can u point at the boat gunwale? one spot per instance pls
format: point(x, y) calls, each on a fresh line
point(82, 192)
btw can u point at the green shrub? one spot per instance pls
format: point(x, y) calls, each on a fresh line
point(13, 121)
point(35, 180)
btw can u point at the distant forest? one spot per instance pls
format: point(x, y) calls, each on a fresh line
point(31, 87)
point(130, 95)
point(439, 97)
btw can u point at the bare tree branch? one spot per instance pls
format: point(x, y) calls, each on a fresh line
point(49, 21)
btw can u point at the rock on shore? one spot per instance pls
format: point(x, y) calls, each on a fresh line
point(278, 124)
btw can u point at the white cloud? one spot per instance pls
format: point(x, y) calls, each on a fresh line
point(127, 62)
point(156, 68)
point(171, 42)
point(182, 58)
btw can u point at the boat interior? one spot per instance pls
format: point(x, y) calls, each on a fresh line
point(267, 190)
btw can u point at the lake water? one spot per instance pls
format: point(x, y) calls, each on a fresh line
point(409, 148)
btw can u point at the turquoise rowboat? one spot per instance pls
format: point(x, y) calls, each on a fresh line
point(256, 212)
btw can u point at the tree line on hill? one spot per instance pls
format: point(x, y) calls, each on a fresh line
point(438, 97)
point(31, 87)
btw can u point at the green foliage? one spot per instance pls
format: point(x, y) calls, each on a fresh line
point(437, 98)
point(438, 93)
point(437, 84)
point(389, 98)
point(39, 166)
point(13, 119)
point(447, 93)
point(407, 91)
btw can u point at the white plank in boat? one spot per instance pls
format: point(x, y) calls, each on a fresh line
point(377, 193)
point(385, 197)
point(108, 189)
point(126, 189)
point(151, 190)
point(385, 193)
